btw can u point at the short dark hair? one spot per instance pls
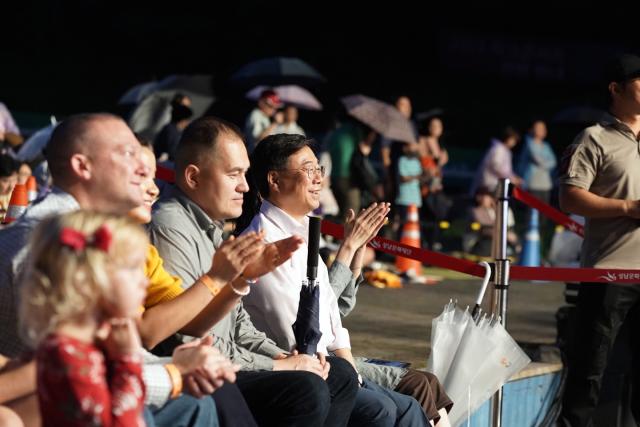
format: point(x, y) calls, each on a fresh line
point(199, 140)
point(178, 99)
point(509, 132)
point(620, 68)
point(180, 112)
point(272, 153)
point(8, 165)
point(145, 142)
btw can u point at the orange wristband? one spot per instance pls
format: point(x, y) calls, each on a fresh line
point(176, 379)
point(210, 284)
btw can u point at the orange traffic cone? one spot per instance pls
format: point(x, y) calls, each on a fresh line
point(17, 204)
point(32, 189)
point(410, 236)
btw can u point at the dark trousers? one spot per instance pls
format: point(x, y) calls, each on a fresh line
point(601, 311)
point(299, 398)
point(377, 406)
point(232, 408)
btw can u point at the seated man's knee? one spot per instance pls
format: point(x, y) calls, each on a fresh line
point(373, 409)
point(187, 410)
point(314, 392)
point(343, 371)
point(206, 410)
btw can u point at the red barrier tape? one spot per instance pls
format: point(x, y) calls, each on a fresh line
point(548, 211)
point(516, 272)
point(575, 275)
point(422, 255)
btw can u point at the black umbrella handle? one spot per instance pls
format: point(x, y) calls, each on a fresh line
point(314, 248)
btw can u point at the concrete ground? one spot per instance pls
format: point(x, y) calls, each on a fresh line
point(395, 324)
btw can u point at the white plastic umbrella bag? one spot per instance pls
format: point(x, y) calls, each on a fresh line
point(487, 357)
point(446, 332)
point(472, 356)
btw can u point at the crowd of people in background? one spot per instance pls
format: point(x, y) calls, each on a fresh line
point(364, 166)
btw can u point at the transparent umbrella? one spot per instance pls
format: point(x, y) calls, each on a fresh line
point(472, 357)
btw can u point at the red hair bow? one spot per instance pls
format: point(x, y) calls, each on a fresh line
point(77, 241)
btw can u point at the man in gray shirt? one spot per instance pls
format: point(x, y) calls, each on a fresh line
point(600, 180)
point(211, 162)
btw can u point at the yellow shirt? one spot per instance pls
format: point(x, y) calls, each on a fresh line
point(162, 285)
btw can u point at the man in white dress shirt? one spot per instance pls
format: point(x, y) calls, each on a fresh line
point(286, 174)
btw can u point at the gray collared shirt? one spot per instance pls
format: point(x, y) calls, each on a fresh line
point(186, 239)
point(605, 160)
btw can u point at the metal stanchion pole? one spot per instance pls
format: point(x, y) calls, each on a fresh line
point(501, 278)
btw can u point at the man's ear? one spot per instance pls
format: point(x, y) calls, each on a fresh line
point(81, 166)
point(614, 87)
point(192, 176)
point(273, 180)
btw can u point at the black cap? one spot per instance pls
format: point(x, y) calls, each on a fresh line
point(622, 68)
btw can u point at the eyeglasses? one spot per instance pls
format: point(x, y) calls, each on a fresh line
point(311, 172)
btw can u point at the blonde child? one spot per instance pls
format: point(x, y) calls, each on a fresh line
point(83, 286)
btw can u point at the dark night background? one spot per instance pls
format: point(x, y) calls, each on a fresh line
point(483, 67)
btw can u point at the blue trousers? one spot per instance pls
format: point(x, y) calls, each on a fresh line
point(184, 411)
point(380, 407)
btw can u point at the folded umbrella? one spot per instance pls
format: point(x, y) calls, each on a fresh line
point(472, 357)
point(306, 328)
point(486, 358)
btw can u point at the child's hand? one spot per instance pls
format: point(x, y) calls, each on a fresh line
point(122, 338)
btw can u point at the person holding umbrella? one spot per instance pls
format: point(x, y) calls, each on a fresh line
point(167, 140)
point(424, 386)
point(285, 180)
